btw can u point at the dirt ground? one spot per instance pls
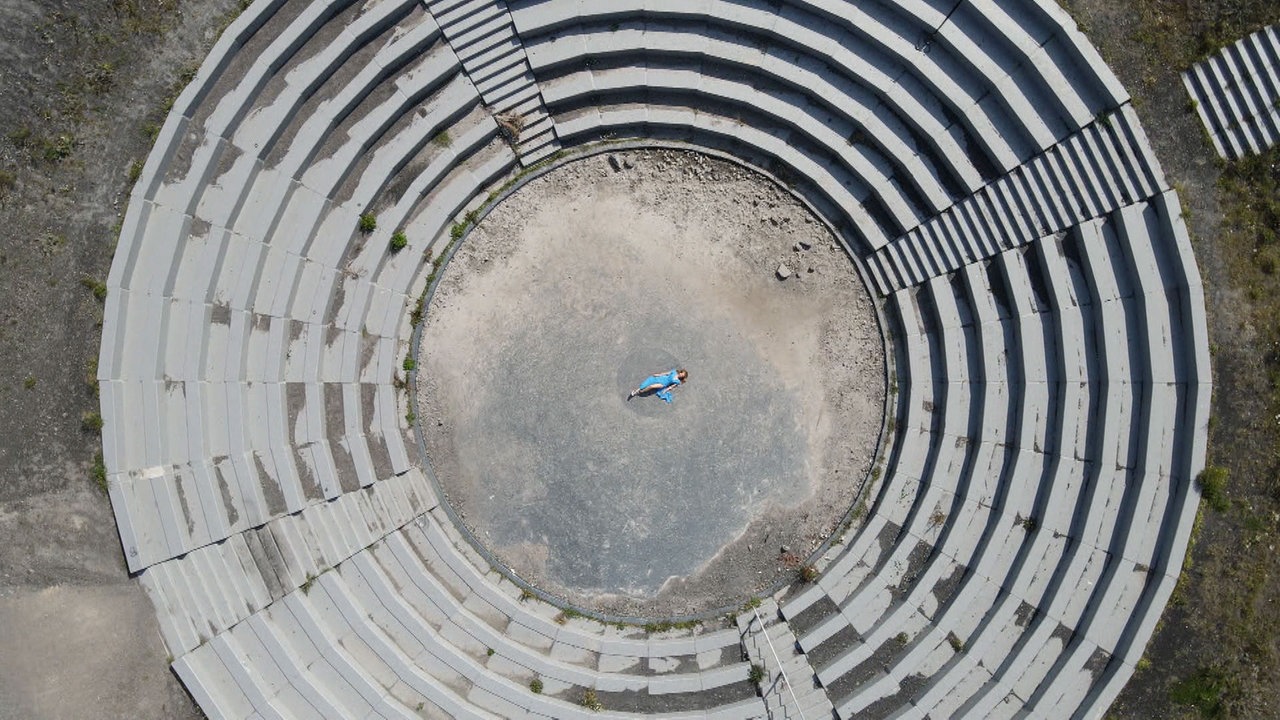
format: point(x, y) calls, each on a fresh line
point(1216, 652)
point(525, 370)
point(82, 85)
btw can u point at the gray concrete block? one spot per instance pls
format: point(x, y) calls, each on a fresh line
point(212, 685)
point(176, 627)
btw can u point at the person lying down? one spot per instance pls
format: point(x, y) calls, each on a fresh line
point(661, 385)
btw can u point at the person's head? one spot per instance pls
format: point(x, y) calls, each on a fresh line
point(682, 374)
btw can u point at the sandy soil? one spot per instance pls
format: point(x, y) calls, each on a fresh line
point(568, 273)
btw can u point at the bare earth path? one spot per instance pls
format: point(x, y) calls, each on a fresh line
point(593, 277)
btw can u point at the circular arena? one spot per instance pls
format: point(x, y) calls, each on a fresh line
point(1006, 547)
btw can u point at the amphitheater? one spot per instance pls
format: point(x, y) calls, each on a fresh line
point(1040, 306)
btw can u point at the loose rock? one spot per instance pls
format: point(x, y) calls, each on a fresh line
point(783, 271)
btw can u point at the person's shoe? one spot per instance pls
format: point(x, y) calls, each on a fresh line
point(631, 395)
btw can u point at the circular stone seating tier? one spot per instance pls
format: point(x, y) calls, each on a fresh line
point(983, 168)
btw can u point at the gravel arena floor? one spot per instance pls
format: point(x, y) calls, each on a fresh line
point(606, 270)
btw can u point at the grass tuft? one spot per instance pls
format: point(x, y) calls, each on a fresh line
point(591, 701)
point(665, 625)
point(98, 472)
point(398, 241)
point(1204, 690)
point(1212, 482)
point(58, 148)
point(566, 615)
point(96, 286)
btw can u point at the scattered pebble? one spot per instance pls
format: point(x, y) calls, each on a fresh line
point(783, 271)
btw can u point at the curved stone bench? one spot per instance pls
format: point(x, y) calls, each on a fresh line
point(1131, 590)
point(1046, 335)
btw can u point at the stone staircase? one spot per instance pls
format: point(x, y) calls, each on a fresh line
point(483, 37)
point(789, 686)
point(1236, 92)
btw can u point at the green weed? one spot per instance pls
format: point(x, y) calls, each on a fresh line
point(58, 148)
point(665, 625)
point(1212, 482)
point(91, 376)
point(20, 136)
point(1204, 691)
point(591, 701)
point(96, 286)
point(98, 472)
